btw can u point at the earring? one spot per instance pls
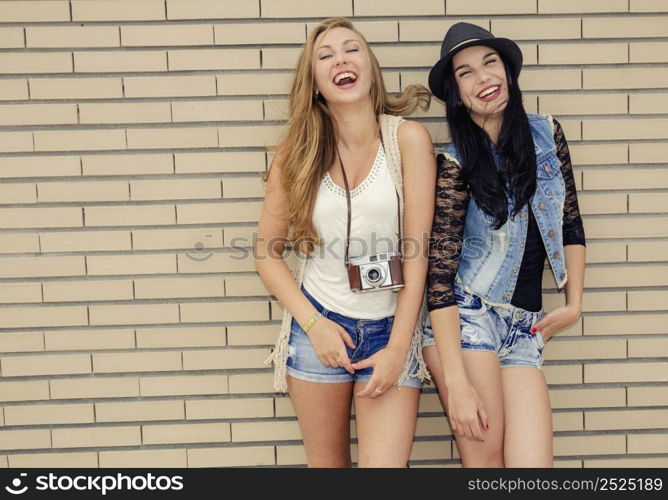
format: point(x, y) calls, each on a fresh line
point(317, 93)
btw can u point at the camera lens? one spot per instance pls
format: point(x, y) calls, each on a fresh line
point(374, 274)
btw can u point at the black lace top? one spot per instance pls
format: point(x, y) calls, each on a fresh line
point(452, 197)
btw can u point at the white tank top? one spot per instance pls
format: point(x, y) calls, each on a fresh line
point(373, 230)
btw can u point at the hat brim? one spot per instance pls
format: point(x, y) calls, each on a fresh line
point(509, 50)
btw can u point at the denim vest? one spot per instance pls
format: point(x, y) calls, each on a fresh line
point(491, 259)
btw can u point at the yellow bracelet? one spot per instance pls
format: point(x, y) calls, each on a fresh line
point(311, 321)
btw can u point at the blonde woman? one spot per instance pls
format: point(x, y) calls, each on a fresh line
point(349, 175)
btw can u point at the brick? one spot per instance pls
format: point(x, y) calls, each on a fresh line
point(314, 8)
point(34, 11)
point(21, 317)
point(230, 408)
point(276, 109)
point(82, 241)
point(119, 10)
point(627, 276)
point(252, 335)
point(83, 191)
point(13, 89)
point(25, 439)
point(183, 385)
point(644, 227)
point(201, 213)
point(262, 34)
point(648, 251)
point(648, 104)
point(94, 387)
point(620, 179)
point(373, 31)
point(207, 262)
point(466, 7)
point(649, 52)
point(227, 457)
point(13, 293)
point(268, 431)
point(647, 396)
point(589, 445)
point(40, 166)
point(648, 348)
point(134, 112)
point(79, 140)
point(252, 383)
point(133, 314)
point(431, 450)
point(96, 436)
point(54, 460)
point(224, 359)
point(139, 458)
point(205, 111)
point(184, 137)
point(40, 217)
point(193, 239)
point(284, 407)
point(239, 187)
point(21, 342)
point(130, 264)
point(75, 88)
point(19, 243)
point(170, 86)
point(11, 38)
point(648, 443)
point(259, 135)
point(144, 215)
point(586, 349)
point(78, 340)
point(626, 372)
point(647, 6)
point(161, 35)
point(68, 291)
point(177, 189)
point(571, 421)
point(628, 462)
point(18, 193)
point(186, 433)
point(218, 59)
point(563, 374)
point(625, 78)
point(122, 61)
point(247, 161)
point(180, 287)
point(14, 142)
point(584, 104)
point(554, 79)
point(577, 7)
point(626, 324)
point(648, 202)
point(587, 398)
point(50, 364)
point(23, 267)
point(625, 129)
point(647, 153)
point(432, 426)
point(211, 9)
point(431, 30)
point(139, 411)
point(536, 29)
point(240, 236)
point(226, 311)
point(290, 455)
point(30, 390)
point(602, 203)
point(280, 58)
point(628, 419)
point(592, 53)
point(129, 164)
point(265, 83)
point(49, 414)
point(199, 336)
point(625, 27)
point(244, 286)
point(597, 154)
point(395, 8)
point(38, 114)
point(72, 36)
point(136, 362)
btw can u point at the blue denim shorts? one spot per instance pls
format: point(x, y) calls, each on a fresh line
point(505, 331)
point(369, 337)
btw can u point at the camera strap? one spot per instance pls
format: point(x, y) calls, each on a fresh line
point(349, 205)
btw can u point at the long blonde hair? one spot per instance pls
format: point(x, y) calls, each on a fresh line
point(309, 145)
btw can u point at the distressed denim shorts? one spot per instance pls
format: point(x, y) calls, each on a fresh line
point(505, 331)
point(369, 337)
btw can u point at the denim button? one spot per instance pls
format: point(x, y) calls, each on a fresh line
point(557, 255)
point(542, 206)
point(550, 233)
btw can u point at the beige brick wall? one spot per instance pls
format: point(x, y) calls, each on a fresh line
point(132, 138)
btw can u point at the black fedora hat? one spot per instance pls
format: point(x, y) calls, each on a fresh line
point(462, 35)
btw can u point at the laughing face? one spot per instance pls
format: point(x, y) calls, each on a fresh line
point(481, 78)
point(342, 67)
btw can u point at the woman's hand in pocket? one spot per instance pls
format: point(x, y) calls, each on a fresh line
point(557, 319)
point(329, 340)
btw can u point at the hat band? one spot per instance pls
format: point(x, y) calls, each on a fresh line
point(462, 43)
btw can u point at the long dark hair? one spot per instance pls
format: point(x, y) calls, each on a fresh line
point(516, 176)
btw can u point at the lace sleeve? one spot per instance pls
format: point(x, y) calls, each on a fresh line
point(452, 198)
point(572, 225)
